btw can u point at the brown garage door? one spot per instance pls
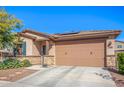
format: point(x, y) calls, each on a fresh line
point(80, 53)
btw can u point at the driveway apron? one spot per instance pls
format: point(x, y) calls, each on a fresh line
point(67, 76)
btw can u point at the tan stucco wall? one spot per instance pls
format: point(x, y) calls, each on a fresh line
point(52, 48)
point(110, 50)
point(33, 48)
point(36, 48)
point(50, 60)
point(29, 48)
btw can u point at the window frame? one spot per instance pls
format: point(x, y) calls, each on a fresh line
point(119, 46)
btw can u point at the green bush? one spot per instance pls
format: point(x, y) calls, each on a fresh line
point(2, 65)
point(6, 61)
point(25, 63)
point(11, 63)
point(14, 63)
point(120, 59)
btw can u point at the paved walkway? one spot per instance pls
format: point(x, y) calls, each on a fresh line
point(66, 76)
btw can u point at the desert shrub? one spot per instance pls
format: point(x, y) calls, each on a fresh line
point(14, 63)
point(120, 59)
point(11, 63)
point(25, 63)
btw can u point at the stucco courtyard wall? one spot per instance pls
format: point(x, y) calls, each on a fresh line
point(35, 60)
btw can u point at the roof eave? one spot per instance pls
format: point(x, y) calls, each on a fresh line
point(38, 33)
point(114, 34)
point(27, 36)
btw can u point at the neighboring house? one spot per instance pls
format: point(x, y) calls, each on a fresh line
point(85, 48)
point(119, 46)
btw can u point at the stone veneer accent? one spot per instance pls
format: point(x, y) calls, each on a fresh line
point(111, 61)
point(49, 60)
point(110, 53)
point(37, 60)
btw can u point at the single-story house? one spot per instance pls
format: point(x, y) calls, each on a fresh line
point(84, 48)
point(119, 46)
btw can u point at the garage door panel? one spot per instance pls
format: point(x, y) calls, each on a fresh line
point(80, 53)
point(80, 62)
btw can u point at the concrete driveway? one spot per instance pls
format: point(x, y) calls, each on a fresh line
point(66, 76)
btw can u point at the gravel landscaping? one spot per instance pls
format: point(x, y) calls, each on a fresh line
point(118, 78)
point(15, 74)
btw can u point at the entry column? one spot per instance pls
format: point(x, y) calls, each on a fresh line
point(47, 47)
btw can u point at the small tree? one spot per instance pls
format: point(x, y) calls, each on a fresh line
point(8, 25)
point(17, 40)
point(120, 59)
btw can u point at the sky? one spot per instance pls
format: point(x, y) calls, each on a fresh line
point(62, 19)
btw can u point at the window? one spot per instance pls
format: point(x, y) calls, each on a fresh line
point(20, 49)
point(24, 48)
point(119, 46)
